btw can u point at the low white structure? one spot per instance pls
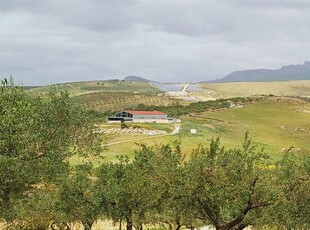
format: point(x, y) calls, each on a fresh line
point(140, 117)
point(193, 131)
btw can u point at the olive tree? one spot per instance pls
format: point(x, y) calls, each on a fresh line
point(229, 187)
point(162, 186)
point(78, 198)
point(292, 209)
point(114, 186)
point(37, 136)
point(148, 190)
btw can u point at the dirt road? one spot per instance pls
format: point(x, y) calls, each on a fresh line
point(185, 87)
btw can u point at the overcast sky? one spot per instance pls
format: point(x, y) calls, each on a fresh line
point(52, 41)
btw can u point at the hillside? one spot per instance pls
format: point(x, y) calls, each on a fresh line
point(136, 78)
point(285, 73)
point(111, 95)
point(115, 101)
point(79, 88)
point(244, 89)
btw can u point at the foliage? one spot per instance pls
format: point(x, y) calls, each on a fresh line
point(124, 125)
point(113, 185)
point(99, 116)
point(78, 197)
point(161, 171)
point(139, 191)
point(228, 185)
point(293, 206)
point(109, 103)
point(157, 170)
point(36, 210)
point(36, 138)
point(115, 101)
point(177, 110)
point(226, 188)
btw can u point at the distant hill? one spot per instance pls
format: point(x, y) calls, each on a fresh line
point(285, 73)
point(79, 88)
point(136, 78)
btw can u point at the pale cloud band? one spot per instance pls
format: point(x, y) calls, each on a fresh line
point(53, 41)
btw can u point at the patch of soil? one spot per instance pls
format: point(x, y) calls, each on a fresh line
point(209, 126)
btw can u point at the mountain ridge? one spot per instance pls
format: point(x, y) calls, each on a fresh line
point(285, 73)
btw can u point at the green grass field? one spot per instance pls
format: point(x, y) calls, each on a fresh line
point(274, 124)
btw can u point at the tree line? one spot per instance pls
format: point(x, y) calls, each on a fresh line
point(176, 109)
point(225, 188)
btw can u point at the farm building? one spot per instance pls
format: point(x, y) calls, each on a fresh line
point(140, 116)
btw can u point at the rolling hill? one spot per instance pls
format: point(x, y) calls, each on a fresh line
point(136, 78)
point(116, 101)
point(79, 88)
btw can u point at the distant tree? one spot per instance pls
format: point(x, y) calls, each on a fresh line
point(141, 106)
point(229, 187)
point(124, 125)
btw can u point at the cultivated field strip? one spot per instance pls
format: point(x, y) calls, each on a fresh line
point(115, 101)
point(79, 88)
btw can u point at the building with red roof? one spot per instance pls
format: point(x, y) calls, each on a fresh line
point(140, 117)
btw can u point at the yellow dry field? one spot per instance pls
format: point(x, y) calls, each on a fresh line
point(244, 89)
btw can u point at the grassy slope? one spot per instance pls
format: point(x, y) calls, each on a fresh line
point(114, 101)
point(243, 89)
point(263, 120)
point(79, 88)
point(111, 95)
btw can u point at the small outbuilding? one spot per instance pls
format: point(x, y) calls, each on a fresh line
point(140, 117)
point(193, 131)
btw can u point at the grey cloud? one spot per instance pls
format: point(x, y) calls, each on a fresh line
point(15, 5)
point(269, 4)
point(59, 41)
point(102, 16)
point(195, 19)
